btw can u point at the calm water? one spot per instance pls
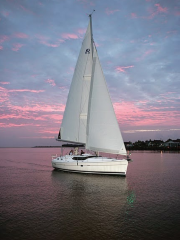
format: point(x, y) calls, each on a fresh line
point(39, 203)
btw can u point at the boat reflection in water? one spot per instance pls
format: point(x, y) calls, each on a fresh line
point(90, 205)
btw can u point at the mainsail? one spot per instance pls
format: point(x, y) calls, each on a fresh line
point(73, 127)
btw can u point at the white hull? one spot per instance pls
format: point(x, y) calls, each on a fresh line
point(93, 165)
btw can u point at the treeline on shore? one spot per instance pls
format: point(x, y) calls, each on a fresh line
point(169, 145)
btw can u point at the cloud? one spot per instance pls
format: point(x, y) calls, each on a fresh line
point(4, 83)
point(69, 36)
point(154, 12)
point(18, 90)
point(145, 114)
point(40, 137)
point(109, 12)
point(122, 69)
point(81, 31)
point(46, 41)
point(26, 9)
point(3, 38)
point(26, 90)
point(147, 52)
point(150, 130)
point(177, 13)
point(133, 15)
point(5, 13)
point(20, 35)
point(9, 125)
point(160, 8)
point(51, 82)
point(143, 130)
point(50, 44)
point(17, 46)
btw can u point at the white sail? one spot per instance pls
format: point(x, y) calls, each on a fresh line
point(89, 118)
point(103, 133)
point(73, 127)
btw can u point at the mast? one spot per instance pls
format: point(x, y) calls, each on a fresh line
point(90, 16)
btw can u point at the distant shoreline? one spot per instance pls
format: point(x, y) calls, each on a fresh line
point(164, 149)
point(128, 149)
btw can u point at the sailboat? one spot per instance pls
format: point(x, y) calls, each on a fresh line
point(89, 119)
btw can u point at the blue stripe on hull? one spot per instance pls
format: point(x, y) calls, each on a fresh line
point(92, 172)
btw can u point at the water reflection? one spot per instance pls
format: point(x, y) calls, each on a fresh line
point(90, 202)
point(45, 204)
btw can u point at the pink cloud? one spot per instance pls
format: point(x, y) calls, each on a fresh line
point(3, 38)
point(122, 69)
point(81, 31)
point(8, 125)
point(108, 11)
point(5, 13)
point(139, 114)
point(17, 46)
point(49, 44)
point(171, 33)
point(26, 10)
point(161, 9)
point(5, 82)
point(40, 137)
point(20, 35)
point(24, 115)
point(3, 95)
point(35, 75)
point(154, 12)
point(45, 41)
point(133, 15)
point(69, 36)
point(70, 70)
point(26, 90)
point(51, 82)
point(148, 52)
point(177, 13)
point(51, 131)
point(4, 90)
point(40, 108)
point(61, 40)
point(1, 47)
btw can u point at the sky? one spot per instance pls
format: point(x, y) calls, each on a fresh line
point(138, 43)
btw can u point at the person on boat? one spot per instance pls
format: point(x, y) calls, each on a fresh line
point(76, 151)
point(71, 152)
point(82, 152)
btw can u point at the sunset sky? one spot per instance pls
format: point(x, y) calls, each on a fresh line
point(138, 43)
